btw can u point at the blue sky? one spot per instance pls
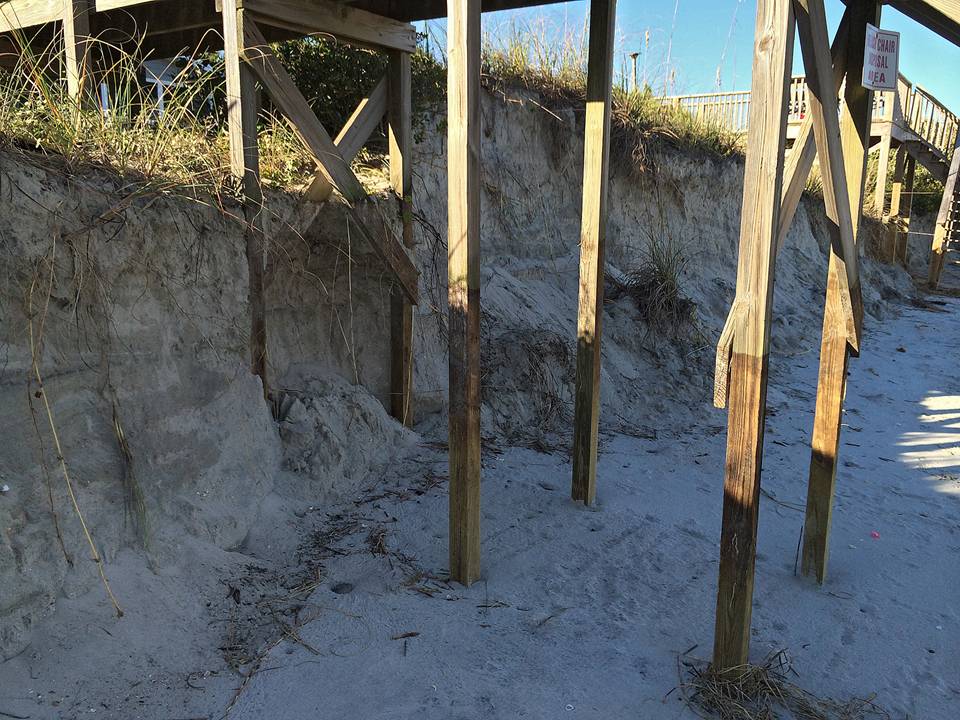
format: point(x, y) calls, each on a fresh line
point(702, 36)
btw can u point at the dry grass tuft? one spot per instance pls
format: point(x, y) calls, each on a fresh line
point(764, 692)
point(532, 57)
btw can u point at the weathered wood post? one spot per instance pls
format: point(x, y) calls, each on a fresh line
point(463, 278)
point(763, 181)
point(855, 125)
point(76, 45)
point(242, 112)
point(883, 161)
point(399, 118)
point(896, 201)
point(941, 232)
point(596, 160)
point(906, 210)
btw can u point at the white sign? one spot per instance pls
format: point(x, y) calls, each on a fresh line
point(881, 59)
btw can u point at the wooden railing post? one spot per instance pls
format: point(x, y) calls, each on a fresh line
point(763, 179)
point(855, 122)
point(463, 268)
point(592, 238)
point(242, 112)
point(399, 119)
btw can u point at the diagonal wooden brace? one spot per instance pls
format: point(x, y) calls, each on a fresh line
point(721, 375)
point(798, 165)
point(354, 134)
point(331, 163)
point(824, 106)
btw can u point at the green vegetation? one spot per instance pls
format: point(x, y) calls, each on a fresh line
point(557, 71)
point(185, 146)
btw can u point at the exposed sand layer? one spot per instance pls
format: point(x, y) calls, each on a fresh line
point(138, 307)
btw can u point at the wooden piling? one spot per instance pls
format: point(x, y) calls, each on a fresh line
point(763, 181)
point(463, 277)
point(242, 113)
point(399, 118)
point(896, 201)
point(855, 125)
point(76, 45)
point(592, 239)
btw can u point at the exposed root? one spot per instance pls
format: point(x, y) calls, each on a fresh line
point(41, 393)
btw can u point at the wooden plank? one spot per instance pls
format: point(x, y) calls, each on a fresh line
point(345, 23)
point(824, 108)
point(76, 40)
point(400, 133)
point(16, 14)
point(941, 231)
point(242, 111)
point(463, 282)
point(763, 185)
point(288, 98)
point(855, 129)
point(593, 223)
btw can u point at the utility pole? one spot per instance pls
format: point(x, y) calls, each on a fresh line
point(634, 56)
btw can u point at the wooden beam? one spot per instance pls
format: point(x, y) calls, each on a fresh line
point(824, 108)
point(855, 129)
point(76, 40)
point(944, 221)
point(242, 111)
point(400, 132)
point(463, 283)
point(593, 225)
point(16, 14)
point(288, 98)
point(763, 185)
point(346, 23)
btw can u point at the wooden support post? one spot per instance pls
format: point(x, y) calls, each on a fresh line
point(855, 125)
point(896, 201)
point(593, 230)
point(763, 184)
point(76, 45)
point(902, 242)
point(242, 111)
point(399, 116)
point(463, 282)
point(944, 221)
point(883, 161)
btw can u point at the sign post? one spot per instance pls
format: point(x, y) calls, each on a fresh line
point(881, 59)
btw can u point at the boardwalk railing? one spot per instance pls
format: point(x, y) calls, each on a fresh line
point(910, 106)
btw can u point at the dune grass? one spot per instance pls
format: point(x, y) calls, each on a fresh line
point(186, 148)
